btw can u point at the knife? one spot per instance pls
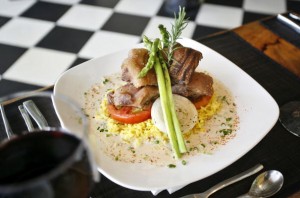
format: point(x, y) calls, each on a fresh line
point(295, 15)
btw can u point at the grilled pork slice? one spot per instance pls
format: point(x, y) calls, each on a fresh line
point(199, 85)
point(185, 61)
point(133, 64)
point(129, 95)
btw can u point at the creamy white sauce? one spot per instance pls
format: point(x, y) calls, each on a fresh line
point(217, 131)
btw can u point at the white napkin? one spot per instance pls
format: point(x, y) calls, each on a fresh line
point(170, 190)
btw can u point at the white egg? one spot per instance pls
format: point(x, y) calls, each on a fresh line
point(185, 110)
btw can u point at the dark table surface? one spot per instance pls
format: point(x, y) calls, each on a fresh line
point(269, 52)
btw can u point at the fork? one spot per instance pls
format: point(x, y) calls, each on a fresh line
point(26, 118)
point(8, 130)
point(36, 114)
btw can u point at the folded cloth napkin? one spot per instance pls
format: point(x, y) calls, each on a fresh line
point(170, 190)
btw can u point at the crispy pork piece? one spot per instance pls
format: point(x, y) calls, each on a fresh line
point(200, 85)
point(133, 64)
point(185, 61)
point(129, 95)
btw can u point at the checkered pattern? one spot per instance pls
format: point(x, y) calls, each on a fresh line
point(41, 39)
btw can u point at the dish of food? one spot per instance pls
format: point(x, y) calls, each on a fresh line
point(252, 105)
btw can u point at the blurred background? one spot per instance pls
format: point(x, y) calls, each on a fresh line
point(39, 40)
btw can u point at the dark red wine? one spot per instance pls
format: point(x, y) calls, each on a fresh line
point(47, 163)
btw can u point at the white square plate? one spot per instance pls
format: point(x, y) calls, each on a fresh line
point(257, 110)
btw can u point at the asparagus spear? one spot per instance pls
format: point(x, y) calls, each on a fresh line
point(153, 48)
point(166, 107)
point(175, 121)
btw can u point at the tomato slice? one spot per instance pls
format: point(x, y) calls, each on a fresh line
point(202, 102)
point(128, 115)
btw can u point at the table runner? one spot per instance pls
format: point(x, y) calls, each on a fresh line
point(278, 150)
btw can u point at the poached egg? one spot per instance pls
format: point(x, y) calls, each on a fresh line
point(185, 110)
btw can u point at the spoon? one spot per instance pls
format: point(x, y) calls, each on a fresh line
point(265, 185)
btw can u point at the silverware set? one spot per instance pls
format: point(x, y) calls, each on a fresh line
point(27, 109)
point(265, 185)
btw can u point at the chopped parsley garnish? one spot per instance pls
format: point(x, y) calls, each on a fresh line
point(224, 99)
point(226, 131)
point(172, 166)
point(131, 149)
point(194, 149)
point(101, 129)
point(105, 81)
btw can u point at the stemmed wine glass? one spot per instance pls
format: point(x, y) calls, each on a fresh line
point(53, 160)
point(290, 117)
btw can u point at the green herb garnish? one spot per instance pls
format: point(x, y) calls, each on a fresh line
point(226, 131)
point(172, 166)
point(228, 119)
point(105, 81)
point(156, 49)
